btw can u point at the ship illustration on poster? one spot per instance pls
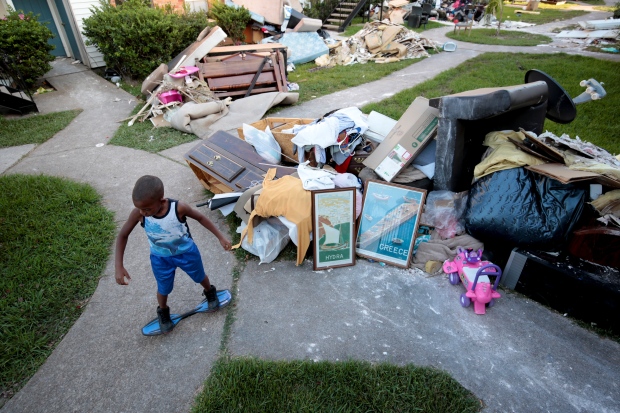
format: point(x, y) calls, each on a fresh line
point(332, 240)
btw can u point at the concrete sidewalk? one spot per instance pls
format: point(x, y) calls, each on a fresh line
point(519, 357)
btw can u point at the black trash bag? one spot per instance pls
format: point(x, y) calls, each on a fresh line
point(523, 209)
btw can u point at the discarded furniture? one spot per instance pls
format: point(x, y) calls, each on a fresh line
point(415, 17)
point(597, 243)
point(225, 163)
point(570, 285)
point(465, 119)
point(243, 74)
point(222, 51)
point(466, 25)
point(426, 13)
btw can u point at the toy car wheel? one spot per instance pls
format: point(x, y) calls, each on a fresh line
point(454, 278)
point(465, 301)
point(491, 303)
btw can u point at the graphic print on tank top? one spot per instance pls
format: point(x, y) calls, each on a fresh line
point(167, 235)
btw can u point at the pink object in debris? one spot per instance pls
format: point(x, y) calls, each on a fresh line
point(469, 268)
point(183, 71)
point(170, 96)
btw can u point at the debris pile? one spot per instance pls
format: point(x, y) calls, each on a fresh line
point(206, 72)
point(595, 33)
point(453, 174)
point(379, 42)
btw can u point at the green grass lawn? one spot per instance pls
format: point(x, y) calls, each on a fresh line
point(547, 14)
point(55, 239)
point(314, 82)
point(251, 385)
point(34, 129)
point(596, 121)
point(146, 137)
point(505, 38)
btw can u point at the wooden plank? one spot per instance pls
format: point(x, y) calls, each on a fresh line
point(199, 49)
point(278, 70)
point(241, 81)
point(217, 163)
point(222, 69)
point(242, 92)
point(232, 149)
point(249, 179)
point(242, 57)
point(268, 47)
point(208, 181)
point(283, 72)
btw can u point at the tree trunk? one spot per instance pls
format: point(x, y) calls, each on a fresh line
point(499, 21)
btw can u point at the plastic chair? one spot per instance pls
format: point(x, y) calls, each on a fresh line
point(426, 9)
point(426, 13)
point(415, 17)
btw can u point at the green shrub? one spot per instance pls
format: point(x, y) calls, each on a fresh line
point(135, 38)
point(25, 40)
point(231, 19)
point(617, 10)
point(320, 9)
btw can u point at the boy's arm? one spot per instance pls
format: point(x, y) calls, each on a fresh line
point(187, 211)
point(120, 272)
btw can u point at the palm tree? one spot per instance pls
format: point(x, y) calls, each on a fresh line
point(496, 7)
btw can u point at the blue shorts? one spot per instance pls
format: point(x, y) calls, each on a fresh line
point(165, 267)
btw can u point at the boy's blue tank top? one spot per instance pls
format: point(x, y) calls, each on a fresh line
point(168, 235)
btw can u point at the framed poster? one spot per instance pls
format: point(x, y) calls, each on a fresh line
point(333, 227)
point(389, 222)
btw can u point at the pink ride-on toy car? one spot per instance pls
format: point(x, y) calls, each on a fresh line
point(474, 273)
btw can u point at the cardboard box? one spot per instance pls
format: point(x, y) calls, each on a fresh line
point(276, 125)
point(412, 133)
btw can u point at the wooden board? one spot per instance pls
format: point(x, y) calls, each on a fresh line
point(233, 74)
point(224, 163)
point(240, 81)
point(218, 52)
point(208, 158)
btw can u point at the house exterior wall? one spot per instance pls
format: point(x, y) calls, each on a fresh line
point(81, 10)
point(3, 9)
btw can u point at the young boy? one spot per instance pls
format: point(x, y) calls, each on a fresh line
point(172, 246)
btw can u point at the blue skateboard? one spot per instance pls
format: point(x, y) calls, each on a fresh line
point(152, 328)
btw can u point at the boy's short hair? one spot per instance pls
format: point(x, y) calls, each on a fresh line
point(148, 187)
